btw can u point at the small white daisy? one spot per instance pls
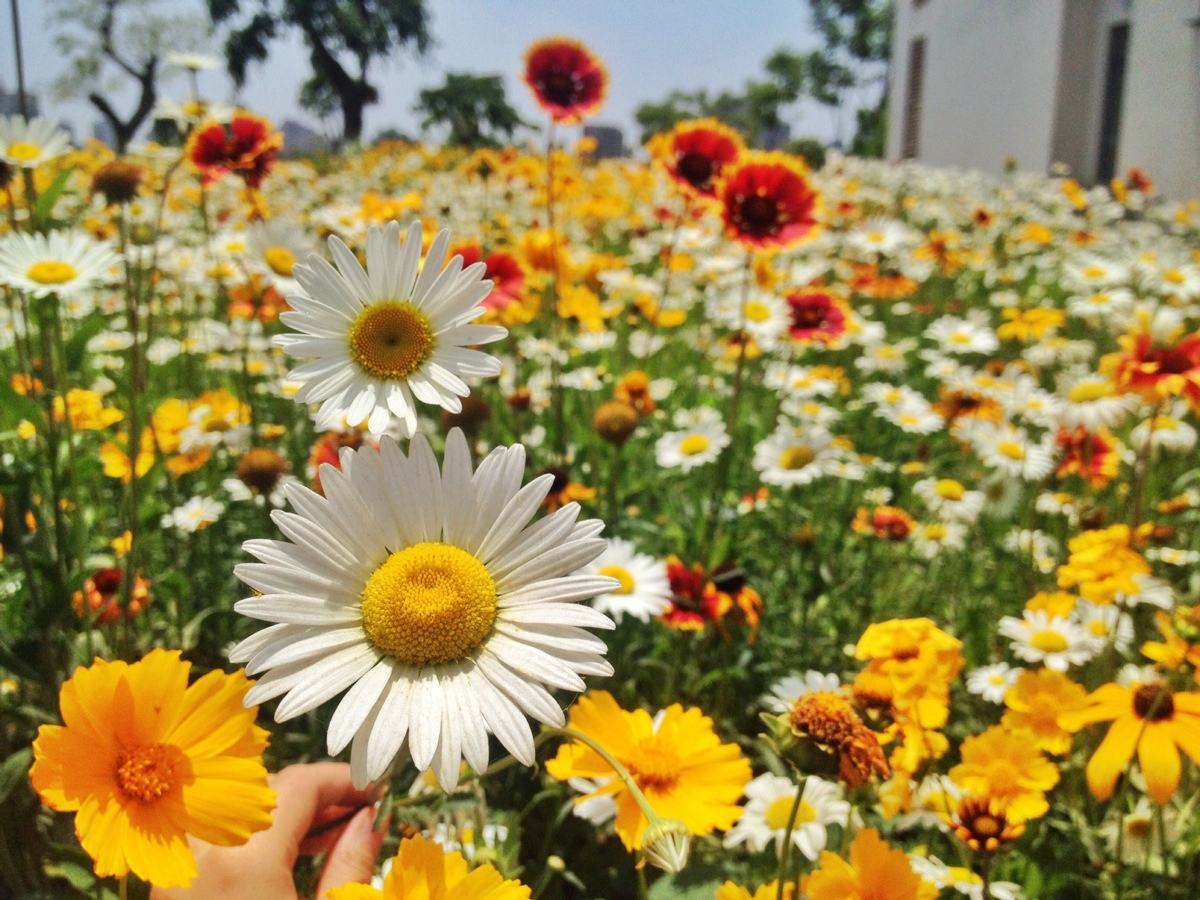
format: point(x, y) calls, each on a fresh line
point(375, 339)
point(691, 447)
point(1055, 642)
point(787, 690)
point(769, 802)
point(932, 538)
point(194, 515)
point(950, 500)
point(959, 336)
point(644, 589)
point(274, 248)
point(791, 457)
point(1091, 401)
point(1166, 432)
point(430, 597)
point(992, 682)
point(26, 145)
point(1011, 452)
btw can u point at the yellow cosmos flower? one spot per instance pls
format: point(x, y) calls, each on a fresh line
point(422, 870)
point(116, 462)
point(145, 761)
point(1007, 767)
point(681, 766)
point(1102, 564)
point(1149, 719)
point(875, 870)
point(731, 891)
point(1038, 702)
point(86, 410)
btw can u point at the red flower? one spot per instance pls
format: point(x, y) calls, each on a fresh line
point(889, 523)
point(327, 451)
point(246, 147)
point(768, 201)
point(1156, 372)
point(817, 316)
point(567, 79)
point(504, 271)
point(698, 151)
point(1093, 457)
point(102, 593)
point(698, 601)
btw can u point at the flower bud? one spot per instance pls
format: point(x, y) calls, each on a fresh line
point(665, 845)
point(615, 421)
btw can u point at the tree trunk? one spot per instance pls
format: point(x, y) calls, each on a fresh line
point(353, 103)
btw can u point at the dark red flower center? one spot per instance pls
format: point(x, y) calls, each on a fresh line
point(1171, 361)
point(696, 168)
point(1153, 702)
point(560, 88)
point(758, 215)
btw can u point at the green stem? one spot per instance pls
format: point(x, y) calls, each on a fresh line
point(785, 852)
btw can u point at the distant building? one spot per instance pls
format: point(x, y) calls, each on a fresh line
point(10, 103)
point(610, 140)
point(299, 139)
point(1101, 85)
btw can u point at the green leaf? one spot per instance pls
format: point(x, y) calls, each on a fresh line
point(14, 407)
point(49, 197)
point(77, 343)
point(14, 770)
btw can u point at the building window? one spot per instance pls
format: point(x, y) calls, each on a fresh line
point(1114, 89)
point(910, 137)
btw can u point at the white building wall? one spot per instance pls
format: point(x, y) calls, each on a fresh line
point(990, 81)
point(1160, 121)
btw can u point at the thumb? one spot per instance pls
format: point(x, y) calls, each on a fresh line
point(352, 859)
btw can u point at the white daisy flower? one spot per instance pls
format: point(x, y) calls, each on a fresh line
point(932, 538)
point(1091, 401)
point(1108, 624)
point(992, 682)
point(1142, 840)
point(26, 145)
point(376, 339)
point(195, 62)
point(430, 597)
point(958, 336)
point(61, 262)
point(1011, 452)
point(917, 417)
point(691, 447)
point(950, 500)
point(931, 800)
point(791, 457)
point(194, 515)
point(644, 589)
point(787, 690)
point(1166, 432)
point(274, 248)
point(769, 802)
point(1053, 641)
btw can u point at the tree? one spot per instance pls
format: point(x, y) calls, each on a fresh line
point(474, 107)
point(343, 38)
point(110, 44)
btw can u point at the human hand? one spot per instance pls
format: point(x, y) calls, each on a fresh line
point(261, 869)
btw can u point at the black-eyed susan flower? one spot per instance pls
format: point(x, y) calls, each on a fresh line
point(145, 761)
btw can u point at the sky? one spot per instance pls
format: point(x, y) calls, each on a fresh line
point(650, 47)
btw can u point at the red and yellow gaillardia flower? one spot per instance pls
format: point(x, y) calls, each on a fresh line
point(1149, 719)
point(680, 764)
point(696, 152)
point(422, 870)
point(145, 761)
point(767, 200)
point(1093, 456)
point(568, 81)
point(1156, 370)
point(507, 303)
point(246, 147)
point(818, 316)
point(100, 598)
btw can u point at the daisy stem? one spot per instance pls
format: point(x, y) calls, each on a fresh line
point(785, 851)
point(123, 887)
point(617, 766)
point(614, 488)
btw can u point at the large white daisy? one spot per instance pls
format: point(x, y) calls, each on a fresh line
point(430, 597)
point(375, 339)
point(61, 262)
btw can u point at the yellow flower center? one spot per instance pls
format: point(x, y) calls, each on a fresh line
point(781, 809)
point(281, 260)
point(961, 338)
point(1048, 641)
point(935, 532)
point(391, 340)
point(1098, 627)
point(654, 764)
point(693, 444)
point(1094, 272)
point(949, 489)
point(757, 312)
point(796, 457)
point(23, 151)
point(51, 271)
point(148, 773)
point(1011, 449)
point(1088, 391)
point(429, 603)
point(622, 575)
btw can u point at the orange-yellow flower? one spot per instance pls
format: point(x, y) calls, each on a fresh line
point(1037, 704)
point(1102, 564)
point(875, 871)
point(1006, 766)
point(681, 765)
point(1149, 719)
point(422, 870)
point(145, 761)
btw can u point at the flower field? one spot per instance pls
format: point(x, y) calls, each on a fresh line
point(699, 525)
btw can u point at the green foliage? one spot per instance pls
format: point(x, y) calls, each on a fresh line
point(473, 107)
point(343, 39)
point(810, 149)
